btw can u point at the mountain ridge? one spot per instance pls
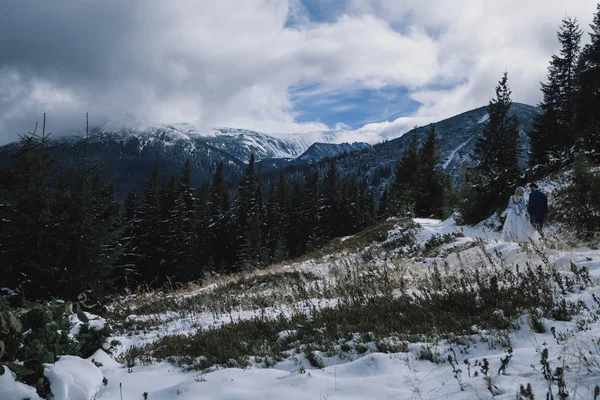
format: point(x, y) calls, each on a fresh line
point(128, 155)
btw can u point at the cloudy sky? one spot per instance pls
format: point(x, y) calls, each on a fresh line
point(372, 67)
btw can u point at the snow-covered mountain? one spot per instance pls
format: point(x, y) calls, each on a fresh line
point(128, 154)
point(239, 143)
point(457, 136)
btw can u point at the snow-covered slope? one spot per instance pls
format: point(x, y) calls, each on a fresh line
point(361, 370)
point(241, 142)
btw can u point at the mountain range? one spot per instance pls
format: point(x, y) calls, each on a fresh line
point(128, 155)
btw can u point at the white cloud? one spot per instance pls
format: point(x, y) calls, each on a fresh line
point(232, 63)
point(477, 42)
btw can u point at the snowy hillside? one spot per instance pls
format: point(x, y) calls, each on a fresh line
point(457, 136)
point(422, 308)
point(239, 143)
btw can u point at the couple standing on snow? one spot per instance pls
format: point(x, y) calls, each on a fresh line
point(524, 221)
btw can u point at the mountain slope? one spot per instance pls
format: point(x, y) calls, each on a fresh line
point(319, 151)
point(457, 136)
point(128, 154)
point(241, 143)
point(129, 157)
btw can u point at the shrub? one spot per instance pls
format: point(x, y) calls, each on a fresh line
point(578, 204)
point(89, 340)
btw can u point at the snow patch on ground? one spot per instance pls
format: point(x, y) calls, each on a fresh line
point(73, 378)
point(10, 389)
point(94, 322)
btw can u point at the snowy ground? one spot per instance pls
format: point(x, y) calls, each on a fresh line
point(371, 375)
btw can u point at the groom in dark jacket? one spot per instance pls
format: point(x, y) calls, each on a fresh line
point(537, 207)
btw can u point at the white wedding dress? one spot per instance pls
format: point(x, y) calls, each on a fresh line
point(518, 227)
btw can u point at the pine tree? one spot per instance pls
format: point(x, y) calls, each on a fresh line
point(205, 252)
point(383, 205)
point(431, 180)
point(249, 220)
point(554, 134)
point(487, 186)
point(26, 195)
point(218, 228)
point(588, 111)
point(308, 214)
point(329, 201)
point(295, 229)
point(402, 193)
point(131, 274)
point(149, 239)
point(183, 239)
point(91, 230)
point(168, 231)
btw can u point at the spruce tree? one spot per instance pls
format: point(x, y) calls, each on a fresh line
point(205, 252)
point(588, 111)
point(183, 239)
point(308, 214)
point(431, 180)
point(249, 220)
point(328, 215)
point(554, 132)
point(26, 196)
point(402, 193)
point(149, 238)
point(91, 229)
point(295, 228)
point(218, 228)
point(496, 169)
point(131, 274)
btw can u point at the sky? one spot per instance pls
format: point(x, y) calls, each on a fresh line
point(371, 68)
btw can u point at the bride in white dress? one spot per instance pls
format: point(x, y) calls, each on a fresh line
point(518, 227)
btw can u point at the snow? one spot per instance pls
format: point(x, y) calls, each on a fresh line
point(453, 154)
point(73, 378)
point(375, 375)
point(404, 374)
point(484, 119)
point(10, 389)
point(95, 322)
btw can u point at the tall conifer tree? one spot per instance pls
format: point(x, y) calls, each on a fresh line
point(554, 133)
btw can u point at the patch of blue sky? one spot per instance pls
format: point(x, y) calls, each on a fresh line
point(315, 11)
point(353, 107)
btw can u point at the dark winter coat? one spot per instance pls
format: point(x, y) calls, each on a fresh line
point(538, 205)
